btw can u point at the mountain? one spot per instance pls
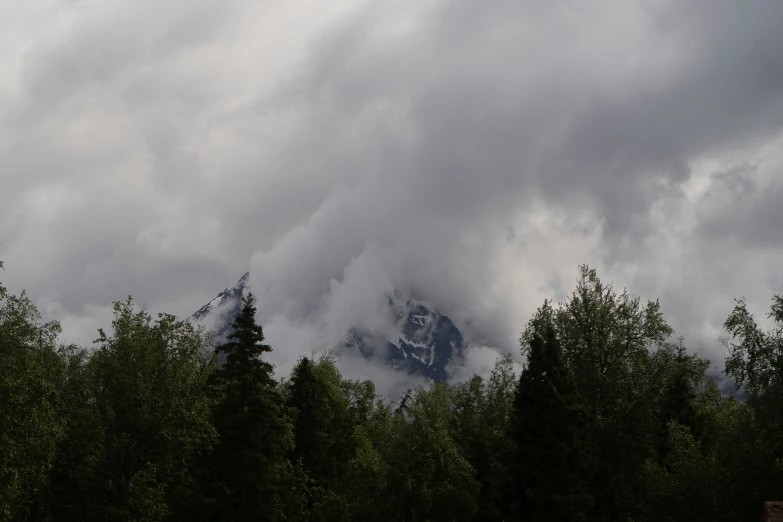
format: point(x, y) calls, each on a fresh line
point(420, 341)
point(220, 312)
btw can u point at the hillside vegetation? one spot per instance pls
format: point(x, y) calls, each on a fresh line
point(608, 421)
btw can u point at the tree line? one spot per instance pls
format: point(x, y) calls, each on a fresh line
point(607, 421)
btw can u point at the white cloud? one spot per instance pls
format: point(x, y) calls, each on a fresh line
point(476, 153)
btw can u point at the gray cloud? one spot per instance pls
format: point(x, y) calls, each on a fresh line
point(475, 153)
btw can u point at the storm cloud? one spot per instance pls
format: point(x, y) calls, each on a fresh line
point(472, 152)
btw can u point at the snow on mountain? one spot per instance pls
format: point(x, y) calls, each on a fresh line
point(218, 314)
point(422, 341)
point(417, 339)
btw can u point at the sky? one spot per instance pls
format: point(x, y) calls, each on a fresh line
point(476, 152)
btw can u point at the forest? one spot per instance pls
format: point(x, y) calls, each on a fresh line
point(609, 420)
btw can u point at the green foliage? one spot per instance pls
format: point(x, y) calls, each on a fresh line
point(316, 402)
point(429, 478)
point(366, 473)
point(248, 474)
point(481, 424)
point(755, 361)
point(31, 371)
point(548, 429)
point(607, 421)
point(606, 340)
point(684, 472)
point(139, 415)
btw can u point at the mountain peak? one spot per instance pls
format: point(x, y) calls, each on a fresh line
point(230, 298)
point(421, 341)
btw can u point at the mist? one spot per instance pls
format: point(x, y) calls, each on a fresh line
point(474, 154)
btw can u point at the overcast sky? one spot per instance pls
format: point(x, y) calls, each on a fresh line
point(476, 152)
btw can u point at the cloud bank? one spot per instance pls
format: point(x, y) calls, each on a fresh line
point(474, 152)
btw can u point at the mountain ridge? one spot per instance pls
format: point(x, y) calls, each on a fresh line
point(421, 341)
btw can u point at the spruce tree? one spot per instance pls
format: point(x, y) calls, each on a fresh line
point(250, 468)
point(324, 421)
point(549, 465)
point(309, 398)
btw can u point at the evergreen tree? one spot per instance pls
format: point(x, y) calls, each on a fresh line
point(312, 404)
point(547, 429)
point(249, 467)
point(309, 398)
point(606, 422)
point(330, 419)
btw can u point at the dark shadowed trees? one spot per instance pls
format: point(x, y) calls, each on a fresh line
point(32, 369)
point(549, 432)
point(249, 468)
point(138, 417)
point(607, 421)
